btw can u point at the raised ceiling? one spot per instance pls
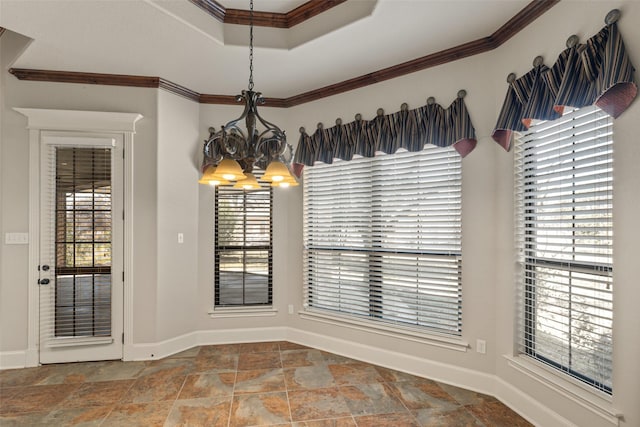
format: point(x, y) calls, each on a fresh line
point(178, 41)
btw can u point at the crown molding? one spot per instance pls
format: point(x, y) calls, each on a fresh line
point(523, 18)
point(266, 19)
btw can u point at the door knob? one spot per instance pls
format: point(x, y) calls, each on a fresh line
point(45, 268)
point(43, 281)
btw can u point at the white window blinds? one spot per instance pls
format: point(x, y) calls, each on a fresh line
point(243, 249)
point(564, 233)
point(78, 202)
point(382, 238)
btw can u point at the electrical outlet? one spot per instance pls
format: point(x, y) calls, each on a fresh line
point(290, 308)
point(481, 346)
point(180, 237)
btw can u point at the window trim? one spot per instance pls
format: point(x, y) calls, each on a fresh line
point(407, 333)
point(525, 358)
point(420, 333)
point(590, 398)
point(244, 309)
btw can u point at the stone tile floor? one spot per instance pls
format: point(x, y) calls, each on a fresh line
point(259, 384)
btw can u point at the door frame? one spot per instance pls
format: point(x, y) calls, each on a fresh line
point(43, 120)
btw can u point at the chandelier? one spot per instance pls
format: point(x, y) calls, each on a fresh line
point(231, 154)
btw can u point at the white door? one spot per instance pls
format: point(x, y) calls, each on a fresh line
point(81, 247)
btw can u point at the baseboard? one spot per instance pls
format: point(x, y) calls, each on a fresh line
point(158, 350)
point(153, 351)
point(522, 403)
point(530, 409)
point(13, 359)
point(450, 374)
point(230, 336)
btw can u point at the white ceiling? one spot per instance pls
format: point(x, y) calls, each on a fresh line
point(176, 40)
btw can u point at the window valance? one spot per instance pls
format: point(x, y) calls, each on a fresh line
point(597, 72)
point(386, 133)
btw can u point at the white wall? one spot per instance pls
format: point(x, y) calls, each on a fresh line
point(173, 283)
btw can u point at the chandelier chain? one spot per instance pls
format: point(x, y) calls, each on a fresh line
point(251, 45)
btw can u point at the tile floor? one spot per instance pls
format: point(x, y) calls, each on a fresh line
point(259, 384)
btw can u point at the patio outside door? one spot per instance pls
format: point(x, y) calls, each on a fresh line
point(81, 248)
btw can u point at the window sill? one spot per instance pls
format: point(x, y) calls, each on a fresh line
point(229, 312)
point(597, 402)
point(406, 333)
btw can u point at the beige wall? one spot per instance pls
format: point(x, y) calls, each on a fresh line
point(488, 249)
point(173, 283)
point(177, 212)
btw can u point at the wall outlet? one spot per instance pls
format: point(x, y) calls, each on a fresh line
point(481, 346)
point(290, 308)
point(180, 237)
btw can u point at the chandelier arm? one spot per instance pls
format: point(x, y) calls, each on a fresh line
point(247, 108)
point(271, 127)
point(250, 148)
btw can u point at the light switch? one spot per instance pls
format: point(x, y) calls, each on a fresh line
point(180, 237)
point(16, 238)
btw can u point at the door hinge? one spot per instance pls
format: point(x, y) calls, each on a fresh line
point(123, 215)
point(123, 338)
point(123, 276)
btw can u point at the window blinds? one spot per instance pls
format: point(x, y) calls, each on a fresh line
point(382, 238)
point(564, 178)
point(78, 195)
point(243, 254)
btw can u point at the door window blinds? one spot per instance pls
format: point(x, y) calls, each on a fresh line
point(243, 247)
point(382, 239)
point(82, 204)
point(564, 234)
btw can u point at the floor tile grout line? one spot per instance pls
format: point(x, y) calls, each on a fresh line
point(113, 406)
point(233, 390)
point(173, 404)
point(286, 388)
point(397, 396)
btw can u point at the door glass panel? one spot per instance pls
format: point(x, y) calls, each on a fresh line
point(83, 242)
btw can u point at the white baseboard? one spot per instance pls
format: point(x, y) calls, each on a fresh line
point(13, 359)
point(450, 374)
point(158, 350)
point(153, 351)
point(530, 409)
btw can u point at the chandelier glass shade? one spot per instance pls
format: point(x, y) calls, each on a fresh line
point(231, 153)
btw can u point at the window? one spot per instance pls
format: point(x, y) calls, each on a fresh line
point(564, 232)
point(382, 239)
point(243, 253)
point(82, 241)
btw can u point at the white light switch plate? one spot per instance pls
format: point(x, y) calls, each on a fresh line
point(16, 238)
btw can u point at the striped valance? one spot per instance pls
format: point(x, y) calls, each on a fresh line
point(597, 72)
point(387, 133)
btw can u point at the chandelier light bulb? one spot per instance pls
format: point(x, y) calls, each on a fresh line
point(231, 153)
